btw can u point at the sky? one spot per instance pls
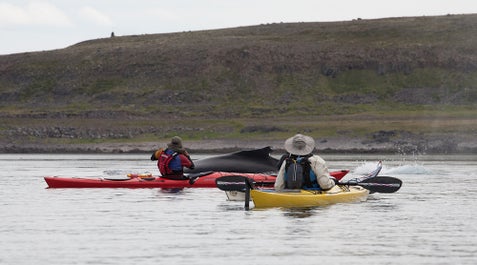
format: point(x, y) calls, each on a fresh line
point(37, 25)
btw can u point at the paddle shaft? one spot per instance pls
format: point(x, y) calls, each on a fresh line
point(380, 184)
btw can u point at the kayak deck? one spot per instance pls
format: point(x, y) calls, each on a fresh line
point(207, 181)
point(306, 198)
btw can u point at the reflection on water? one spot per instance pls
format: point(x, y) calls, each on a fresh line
point(173, 190)
point(431, 220)
point(299, 212)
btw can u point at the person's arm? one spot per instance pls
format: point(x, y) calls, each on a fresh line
point(282, 158)
point(280, 181)
point(318, 165)
point(186, 161)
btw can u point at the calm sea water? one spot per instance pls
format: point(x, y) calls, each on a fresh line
point(431, 220)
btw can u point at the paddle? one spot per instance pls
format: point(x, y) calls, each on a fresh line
point(241, 183)
point(382, 184)
point(238, 183)
point(371, 174)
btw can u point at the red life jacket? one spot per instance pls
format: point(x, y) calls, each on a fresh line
point(163, 163)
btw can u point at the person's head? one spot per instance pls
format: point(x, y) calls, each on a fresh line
point(300, 145)
point(176, 144)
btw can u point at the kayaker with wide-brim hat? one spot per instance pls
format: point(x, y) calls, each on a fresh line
point(172, 160)
point(300, 168)
point(299, 144)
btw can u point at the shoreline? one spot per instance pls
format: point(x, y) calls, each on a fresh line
point(334, 145)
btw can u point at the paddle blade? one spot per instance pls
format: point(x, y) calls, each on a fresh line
point(372, 174)
point(232, 183)
point(381, 184)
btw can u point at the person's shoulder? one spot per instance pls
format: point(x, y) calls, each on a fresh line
point(183, 156)
point(170, 151)
point(316, 158)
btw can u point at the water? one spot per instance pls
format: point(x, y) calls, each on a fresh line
point(431, 220)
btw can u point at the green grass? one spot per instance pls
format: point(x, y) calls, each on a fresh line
point(333, 79)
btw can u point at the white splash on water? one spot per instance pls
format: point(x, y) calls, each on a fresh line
point(406, 169)
point(414, 169)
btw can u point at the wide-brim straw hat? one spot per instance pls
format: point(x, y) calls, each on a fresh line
point(176, 144)
point(300, 145)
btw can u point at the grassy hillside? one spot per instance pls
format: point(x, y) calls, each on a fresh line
point(259, 82)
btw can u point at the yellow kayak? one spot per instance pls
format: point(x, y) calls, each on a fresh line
point(307, 198)
point(354, 190)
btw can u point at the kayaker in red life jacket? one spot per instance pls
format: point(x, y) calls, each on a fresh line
point(300, 168)
point(173, 159)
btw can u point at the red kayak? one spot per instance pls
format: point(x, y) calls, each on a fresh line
point(203, 180)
